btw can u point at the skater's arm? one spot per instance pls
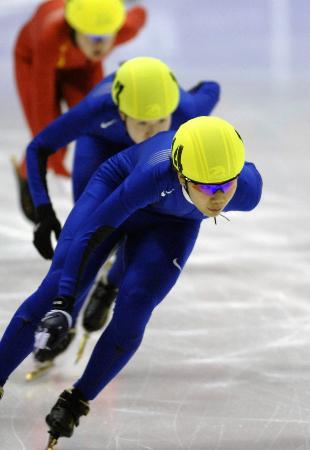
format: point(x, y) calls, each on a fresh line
point(204, 96)
point(249, 190)
point(198, 101)
point(60, 132)
point(135, 20)
point(44, 99)
point(137, 191)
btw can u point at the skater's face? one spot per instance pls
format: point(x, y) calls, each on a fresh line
point(94, 48)
point(210, 199)
point(140, 130)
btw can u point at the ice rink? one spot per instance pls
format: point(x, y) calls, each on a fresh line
point(225, 362)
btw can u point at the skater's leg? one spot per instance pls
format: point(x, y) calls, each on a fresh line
point(101, 300)
point(17, 341)
point(150, 274)
point(18, 338)
point(95, 263)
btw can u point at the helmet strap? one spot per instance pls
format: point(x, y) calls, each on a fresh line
point(186, 185)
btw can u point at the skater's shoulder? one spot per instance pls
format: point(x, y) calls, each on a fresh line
point(99, 100)
point(149, 160)
point(102, 90)
point(49, 20)
point(249, 189)
point(152, 154)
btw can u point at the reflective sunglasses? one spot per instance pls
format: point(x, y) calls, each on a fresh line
point(100, 38)
point(211, 189)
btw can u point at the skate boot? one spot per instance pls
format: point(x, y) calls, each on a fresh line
point(65, 415)
point(97, 311)
point(25, 199)
point(99, 305)
point(44, 358)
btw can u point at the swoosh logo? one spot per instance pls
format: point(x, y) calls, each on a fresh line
point(176, 264)
point(107, 124)
point(164, 193)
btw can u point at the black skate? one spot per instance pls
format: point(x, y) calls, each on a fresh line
point(50, 353)
point(65, 415)
point(44, 358)
point(25, 199)
point(97, 311)
point(99, 305)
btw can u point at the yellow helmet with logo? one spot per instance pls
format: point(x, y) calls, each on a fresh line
point(208, 150)
point(144, 88)
point(95, 17)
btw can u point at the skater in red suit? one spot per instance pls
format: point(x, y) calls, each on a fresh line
point(58, 57)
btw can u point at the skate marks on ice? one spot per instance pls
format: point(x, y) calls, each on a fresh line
point(224, 363)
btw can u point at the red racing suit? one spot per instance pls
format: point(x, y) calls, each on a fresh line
point(49, 67)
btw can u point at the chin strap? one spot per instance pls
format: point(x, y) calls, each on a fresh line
point(186, 187)
point(222, 215)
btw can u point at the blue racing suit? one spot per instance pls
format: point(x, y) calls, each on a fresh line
point(136, 194)
point(97, 127)
point(99, 132)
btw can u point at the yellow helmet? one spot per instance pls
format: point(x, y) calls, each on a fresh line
point(144, 88)
point(208, 150)
point(95, 17)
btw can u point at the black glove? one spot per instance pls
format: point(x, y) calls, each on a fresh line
point(53, 333)
point(46, 223)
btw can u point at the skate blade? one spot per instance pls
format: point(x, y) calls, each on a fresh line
point(108, 264)
point(15, 164)
point(51, 443)
point(14, 161)
point(39, 371)
point(82, 346)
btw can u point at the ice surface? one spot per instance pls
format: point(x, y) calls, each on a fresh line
point(225, 363)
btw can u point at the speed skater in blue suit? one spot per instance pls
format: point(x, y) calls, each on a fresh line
point(161, 189)
point(141, 99)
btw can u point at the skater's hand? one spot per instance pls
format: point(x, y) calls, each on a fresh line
point(53, 329)
point(196, 87)
point(47, 223)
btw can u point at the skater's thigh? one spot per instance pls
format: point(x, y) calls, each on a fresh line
point(37, 304)
point(154, 262)
point(96, 261)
